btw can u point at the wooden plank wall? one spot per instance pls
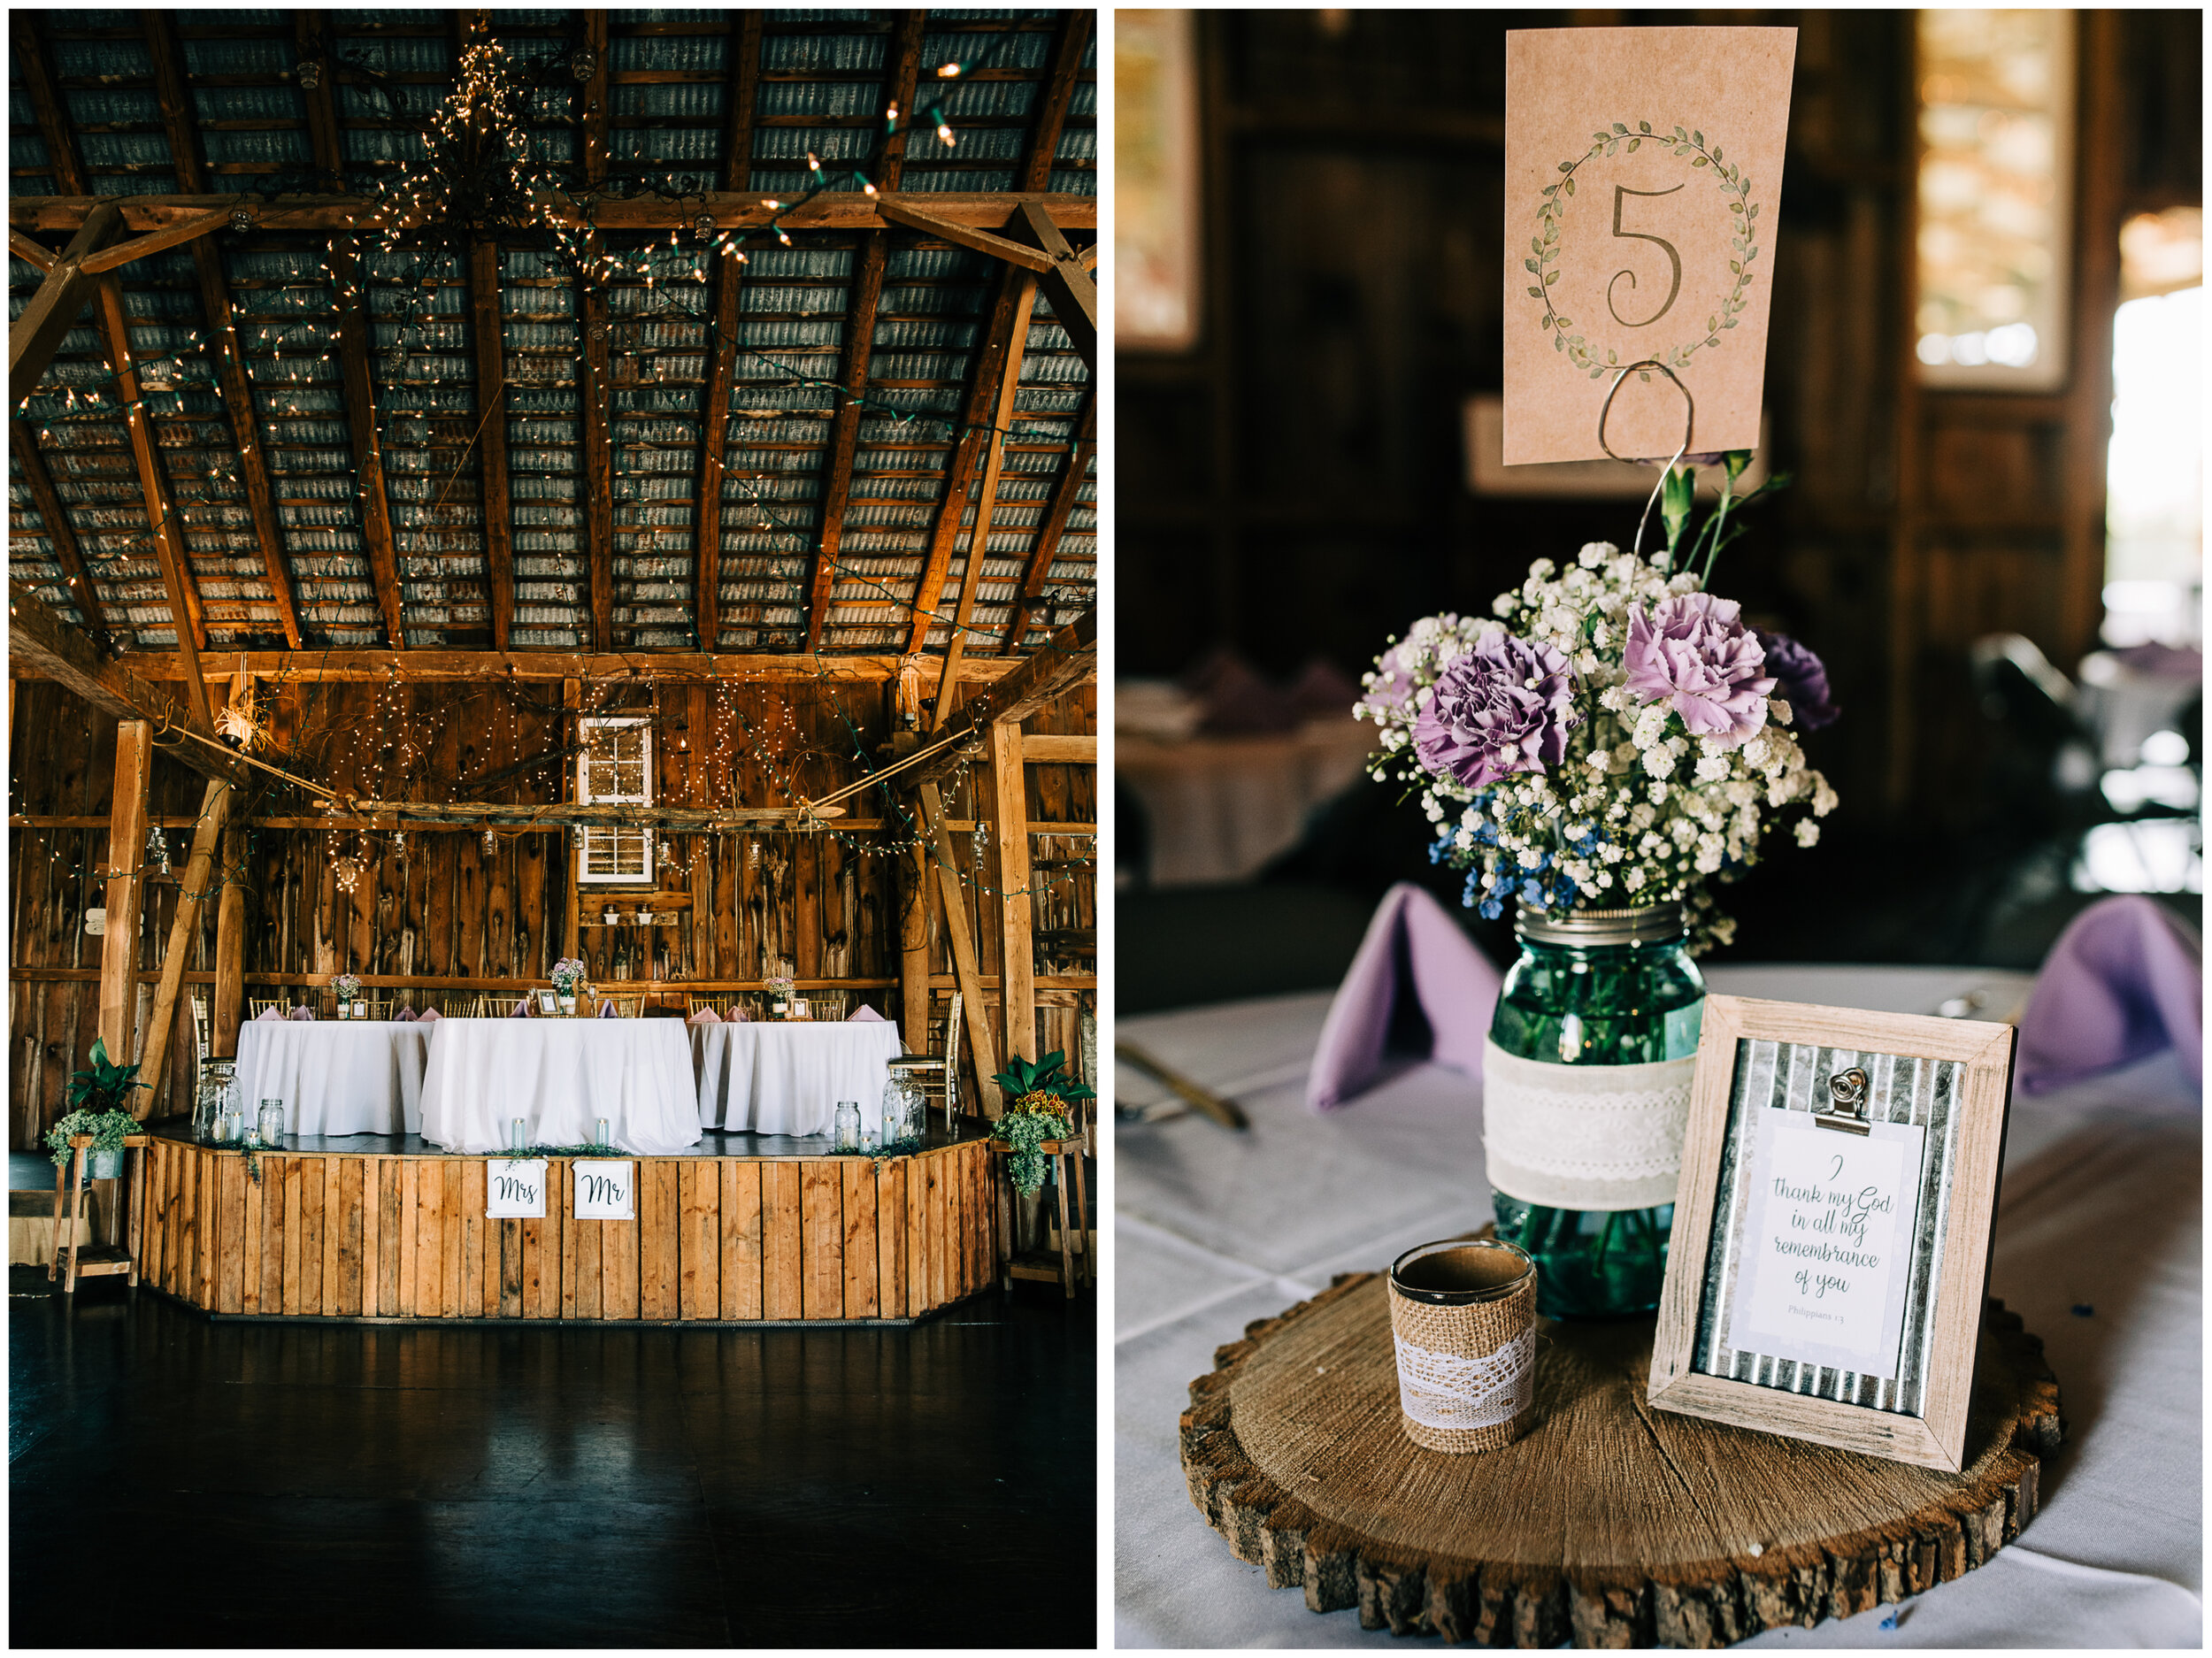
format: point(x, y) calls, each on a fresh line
point(714, 1239)
point(443, 908)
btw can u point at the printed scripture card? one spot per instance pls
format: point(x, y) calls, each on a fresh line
point(1828, 1246)
point(1643, 169)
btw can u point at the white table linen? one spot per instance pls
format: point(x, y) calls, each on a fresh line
point(2098, 1248)
point(335, 1076)
point(770, 1076)
point(560, 1076)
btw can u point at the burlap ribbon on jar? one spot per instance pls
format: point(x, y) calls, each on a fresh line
point(1466, 1374)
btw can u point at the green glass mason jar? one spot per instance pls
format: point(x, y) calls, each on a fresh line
point(1585, 1088)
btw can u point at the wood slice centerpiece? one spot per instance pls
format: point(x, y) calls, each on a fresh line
point(1609, 1523)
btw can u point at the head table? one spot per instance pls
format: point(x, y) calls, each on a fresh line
point(2098, 1247)
point(786, 1078)
point(560, 1077)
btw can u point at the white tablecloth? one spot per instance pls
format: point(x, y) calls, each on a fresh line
point(560, 1076)
point(786, 1078)
point(2101, 1210)
point(336, 1077)
point(1219, 807)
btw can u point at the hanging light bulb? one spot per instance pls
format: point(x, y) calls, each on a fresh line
point(157, 849)
point(242, 218)
point(310, 73)
point(491, 843)
point(583, 63)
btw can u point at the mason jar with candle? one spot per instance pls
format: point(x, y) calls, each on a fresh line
point(1586, 1092)
point(847, 1125)
point(272, 1122)
point(219, 1096)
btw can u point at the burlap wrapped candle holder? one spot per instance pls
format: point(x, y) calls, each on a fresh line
point(1463, 1315)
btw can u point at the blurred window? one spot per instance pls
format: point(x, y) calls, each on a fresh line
point(1996, 94)
point(2154, 475)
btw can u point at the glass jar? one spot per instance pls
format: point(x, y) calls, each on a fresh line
point(1614, 996)
point(905, 1105)
point(219, 1096)
point(272, 1122)
point(847, 1125)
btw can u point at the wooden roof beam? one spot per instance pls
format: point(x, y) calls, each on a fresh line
point(714, 428)
point(1067, 284)
point(170, 95)
point(960, 470)
point(1073, 475)
point(532, 666)
point(1052, 106)
point(354, 335)
point(55, 523)
point(31, 252)
point(35, 335)
point(41, 641)
point(832, 210)
point(1067, 659)
point(187, 615)
point(986, 500)
point(46, 106)
point(322, 107)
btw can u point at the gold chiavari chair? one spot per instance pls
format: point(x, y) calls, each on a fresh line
point(940, 1079)
point(720, 1004)
point(829, 1004)
point(625, 1007)
point(258, 1004)
point(492, 1007)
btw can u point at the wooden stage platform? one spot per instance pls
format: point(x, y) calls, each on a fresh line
point(755, 1230)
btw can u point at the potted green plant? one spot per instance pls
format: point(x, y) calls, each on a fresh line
point(1038, 1101)
point(97, 1097)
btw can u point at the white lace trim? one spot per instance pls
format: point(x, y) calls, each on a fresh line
point(1443, 1390)
point(1585, 1137)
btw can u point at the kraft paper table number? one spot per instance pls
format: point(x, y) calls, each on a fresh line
point(1831, 1228)
point(1643, 171)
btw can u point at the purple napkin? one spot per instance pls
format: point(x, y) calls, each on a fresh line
point(737, 1015)
point(429, 1014)
point(406, 1015)
point(705, 1016)
point(606, 1010)
point(522, 1009)
point(301, 1013)
point(2126, 979)
point(1413, 948)
point(266, 1014)
point(864, 1015)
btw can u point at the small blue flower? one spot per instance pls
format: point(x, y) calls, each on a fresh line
point(1490, 909)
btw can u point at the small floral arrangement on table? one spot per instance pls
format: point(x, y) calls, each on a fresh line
point(347, 988)
point(1614, 736)
point(1038, 1102)
point(567, 976)
point(780, 990)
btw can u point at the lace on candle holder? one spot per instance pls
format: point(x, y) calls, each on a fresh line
point(1448, 1391)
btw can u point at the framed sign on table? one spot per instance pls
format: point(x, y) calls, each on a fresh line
point(1831, 1230)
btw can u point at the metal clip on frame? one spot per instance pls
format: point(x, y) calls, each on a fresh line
point(1847, 1097)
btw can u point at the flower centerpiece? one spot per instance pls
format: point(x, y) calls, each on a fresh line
point(347, 988)
point(779, 991)
point(567, 974)
point(1608, 744)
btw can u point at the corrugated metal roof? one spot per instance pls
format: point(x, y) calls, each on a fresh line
point(820, 81)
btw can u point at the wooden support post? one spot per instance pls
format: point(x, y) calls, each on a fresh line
point(1017, 960)
point(571, 922)
point(228, 1004)
point(126, 889)
point(986, 503)
point(980, 1046)
point(914, 946)
point(200, 875)
point(488, 324)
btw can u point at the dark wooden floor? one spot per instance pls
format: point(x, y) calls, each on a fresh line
point(176, 1482)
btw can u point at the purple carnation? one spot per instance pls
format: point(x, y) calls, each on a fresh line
point(1393, 685)
point(1800, 679)
point(1506, 706)
point(1693, 653)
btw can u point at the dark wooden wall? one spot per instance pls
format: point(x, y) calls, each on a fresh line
point(1294, 487)
point(443, 914)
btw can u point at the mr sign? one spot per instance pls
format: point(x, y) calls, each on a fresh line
point(604, 1189)
point(514, 1189)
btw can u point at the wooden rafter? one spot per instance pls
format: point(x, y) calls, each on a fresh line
point(174, 101)
point(46, 107)
point(1059, 92)
point(40, 640)
point(1067, 284)
point(832, 210)
point(986, 498)
point(54, 523)
point(860, 332)
point(1066, 660)
point(983, 379)
point(322, 108)
point(35, 335)
point(1075, 473)
point(521, 665)
point(186, 613)
point(596, 393)
point(31, 252)
point(355, 331)
point(714, 429)
point(968, 236)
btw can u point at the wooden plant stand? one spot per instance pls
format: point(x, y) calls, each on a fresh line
point(1074, 1261)
point(1609, 1523)
point(73, 1260)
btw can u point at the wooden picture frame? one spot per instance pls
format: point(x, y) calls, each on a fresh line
point(1941, 1086)
point(548, 1003)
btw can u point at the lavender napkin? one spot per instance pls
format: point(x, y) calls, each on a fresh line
point(301, 1013)
point(429, 1014)
point(737, 1015)
point(2126, 979)
point(606, 1010)
point(1413, 948)
point(522, 1009)
point(406, 1015)
point(266, 1014)
point(864, 1015)
point(705, 1016)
